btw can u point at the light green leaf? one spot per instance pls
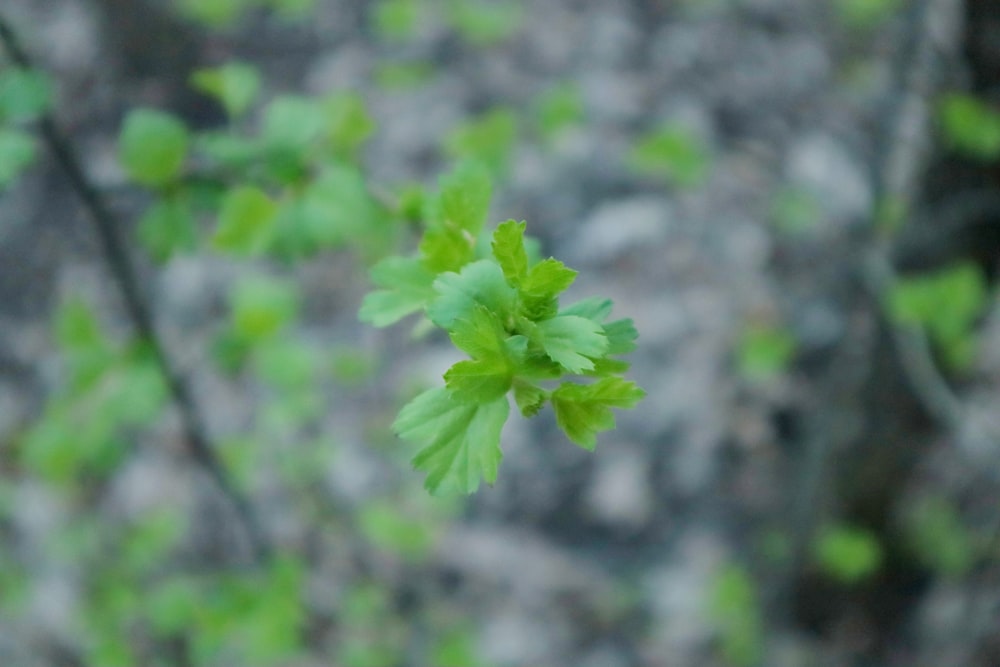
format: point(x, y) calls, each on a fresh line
point(24, 94)
point(481, 335)
point(348, 124)
point(622, 335)
point(572, 342)
point(480, 283)
point(848, 553)
point(464, 195)
point(235, 85)
point(407, 289)
point(548, 278)
point(595, 308)
point(460, 441)
point(529, 398)
point(294, 123)
point(971, 126)
point(582, 411)
point(479, 380)
point(167, 227)
point(675, 153)
point(488, 139)
point(508, 249)
point(246, 221)
point(153, 146)
point(263, 306)
point(446, 248)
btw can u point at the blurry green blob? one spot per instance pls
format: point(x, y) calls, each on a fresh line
point(734, 609)
point(230, 151)
point(947, 304)
point(240, 457)
point(372, 637)
point(152, 147)
point(866, 13)
point(293, 122)
point(794, 211)
point(456, 648)
point(401, 75)
point(673, 153)
point(764, 351)
point(971, 126)
point(891, 213)
point(490, 139)
point(287, 364)
point(213, 13)
point(397, 20)
point(25, 94)
point(246, 221)
point(168, 227)
point(775, 546)
point(149, 541)
point(483, 23)
point(17, 153)
point(349, 124)
point(848, 554)
point(558, 108)
point(386, 525)
point(936, 535)
point(171, 604)
point(291, 9)
point(83, 344)
point(351, 366)
point(262, 306)
point(405, 288)
point(235, 85)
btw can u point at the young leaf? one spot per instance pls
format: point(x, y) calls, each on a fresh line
point(153, 146)
point(584, 410)
point(446, 248)
point(461, 441)
point(508, 249)
point(234, 85)
point(479, 380)
point(621, 336)
point(464, 198)
point(529, 398)
point(572, 341)
point(246, 218)
point(407, 289)
point(595, 308)
point(480, 283)
point(480, 335)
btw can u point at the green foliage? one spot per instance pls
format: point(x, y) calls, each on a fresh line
point(847, 553)
point(936, 535)
point(397, 20)
point(734, 608)
point(764, 351)
point(971, 126)
point(946, 303)
point(223, 13)
point(794, 211)
point(557, 109)
point(484, 23)
point(235, 85)
point(866, 13)
point(488, 138)
point(153, 146)
point(673, 153)
point(25, 95)
point(502, 311)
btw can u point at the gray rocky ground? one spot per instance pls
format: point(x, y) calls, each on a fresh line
point(573, 559)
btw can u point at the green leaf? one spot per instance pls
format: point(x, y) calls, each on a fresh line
point(446, 248)
point(235, 85)
point(971, 126)
point(595, 308)
point(765, 351)
point(213, 13)
point(558, 108)
point(460, 441)
point(17, 152)
point(548, 278)
point(484, 23)
point(622, 335)
point(479, 380)
point(263, 306)
point(847, 553)
point(246, 221)
point(294, 123)
point(336, 207)
point(481, 335)
point(25, 94)
point(463, 201)
point(480, 283)
point(407, 289)
point(488, 139)
point(396, 19)
point(582, 411)
point(389, 528)
point(153, 146)
point(508, 249)
point(529, 398)
point(674, 153)
point(571, 341)
point(167, 227)
point(348, 124)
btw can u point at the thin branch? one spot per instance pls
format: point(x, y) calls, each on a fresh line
point(106, 226)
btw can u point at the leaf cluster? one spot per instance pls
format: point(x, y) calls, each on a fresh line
point(503, 310)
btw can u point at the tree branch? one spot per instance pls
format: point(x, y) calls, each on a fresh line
point(106, 226)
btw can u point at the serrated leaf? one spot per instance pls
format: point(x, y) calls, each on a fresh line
point(481, 335)
point(622, 335)
point(479, 283)
point(479, 380)
point(582, 411)
point(446, 248)
point(463, 201)
point(595, 308)
point(246, 221)
point(460, 441)
point(508, 249)
point(548, 278)
point(529, 361)
point(153, 146)
point(235, 85)
point(572, 341)
point(408, 288)
point(529, 398)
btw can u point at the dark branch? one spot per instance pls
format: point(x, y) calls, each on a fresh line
point(106, 226)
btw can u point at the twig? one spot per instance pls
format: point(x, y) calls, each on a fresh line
point(106, 226)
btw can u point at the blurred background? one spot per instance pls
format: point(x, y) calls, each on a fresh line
point(797, 202)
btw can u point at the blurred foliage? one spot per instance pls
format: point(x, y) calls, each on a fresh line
point(734, 608)
point(673, 153)
point(25, 95)
point(860, 14)
point(847, 553)
point(936, 535)
point(970, 126)
point(489, 139)
point(764, 351)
